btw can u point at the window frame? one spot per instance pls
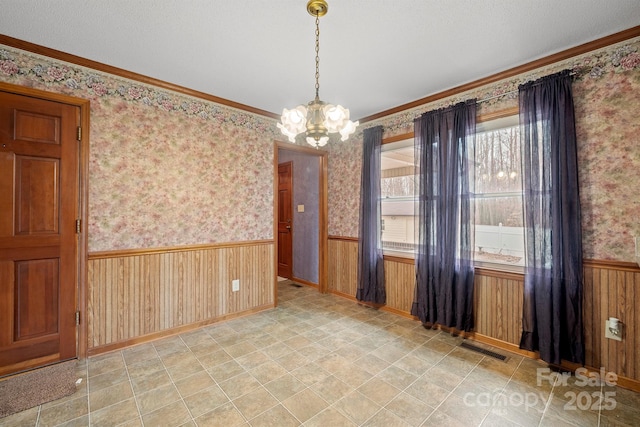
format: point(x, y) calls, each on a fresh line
point(498, 266)
point(408, 139)
point(484, 265)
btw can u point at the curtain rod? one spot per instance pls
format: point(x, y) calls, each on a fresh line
point(572, 73)
point(496, 96)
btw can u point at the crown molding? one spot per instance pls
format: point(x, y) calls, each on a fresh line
point(538, 63)
point(99, 66)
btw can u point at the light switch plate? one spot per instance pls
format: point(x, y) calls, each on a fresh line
point(235, 285)
point(300, 208)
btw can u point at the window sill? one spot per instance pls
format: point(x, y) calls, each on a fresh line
point(409, 257)
point(502, 268)
point(398, 254)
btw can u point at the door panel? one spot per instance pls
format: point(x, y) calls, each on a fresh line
point(36, 298)
point(38, 242)
point(36, 127)
point(7, 160)
point(285, 218)
point(37, 195)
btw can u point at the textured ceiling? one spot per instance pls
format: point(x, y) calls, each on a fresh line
point(374, 54)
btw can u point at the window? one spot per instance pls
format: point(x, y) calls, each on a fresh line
point(499, 232)
point(397, 192)
point(497, 204)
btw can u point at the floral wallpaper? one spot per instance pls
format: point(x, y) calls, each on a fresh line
point(344, 168)
point(608, 133)
point(607, 102)
point(165, 169)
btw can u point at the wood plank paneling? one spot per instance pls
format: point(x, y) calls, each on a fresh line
point(133, 295)
point(400, 280)
point(498, 307)
point(497, 297)
point(343, 266)
point(611, 289)
point(343, 271)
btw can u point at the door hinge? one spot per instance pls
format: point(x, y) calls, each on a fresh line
point(77, 318)
point(79, 136)
point(78, 226)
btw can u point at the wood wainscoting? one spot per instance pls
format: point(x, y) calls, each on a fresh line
point(343, 271)
point(497, 298)
point(611, 289)
point(401, 274)
point(343, 266)
point(140, 295)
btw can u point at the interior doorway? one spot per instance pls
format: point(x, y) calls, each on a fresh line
point(309, 219)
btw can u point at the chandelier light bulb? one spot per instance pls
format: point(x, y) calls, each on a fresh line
point(293, 122)
point(348, 129)
point(336, 116)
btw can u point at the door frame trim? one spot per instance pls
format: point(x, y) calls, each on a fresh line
point(323, 226)
point(83, 199)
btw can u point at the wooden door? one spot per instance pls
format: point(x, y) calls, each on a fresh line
point(38, 242)
point(285, 218)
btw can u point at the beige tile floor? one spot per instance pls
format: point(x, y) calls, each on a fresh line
point(321, 360)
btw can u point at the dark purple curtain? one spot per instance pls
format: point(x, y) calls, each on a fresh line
point(444, 260)
point(370, 262)
point(552, 311)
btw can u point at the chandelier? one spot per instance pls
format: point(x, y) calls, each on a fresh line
point(318, 119)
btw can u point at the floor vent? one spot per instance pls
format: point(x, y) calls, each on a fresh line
point(490, 353)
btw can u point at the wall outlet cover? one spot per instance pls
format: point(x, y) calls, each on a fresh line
point(608, 334)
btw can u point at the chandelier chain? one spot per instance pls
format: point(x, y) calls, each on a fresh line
point(317, 55)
